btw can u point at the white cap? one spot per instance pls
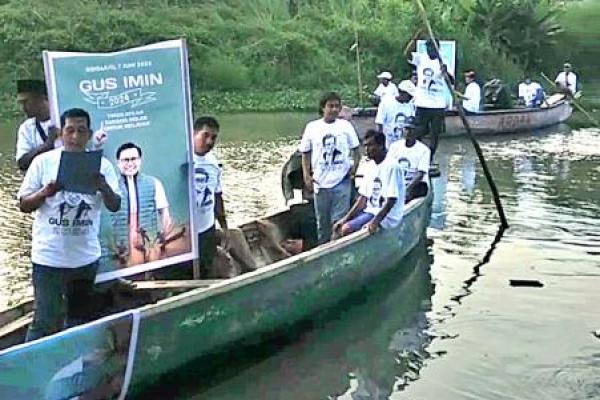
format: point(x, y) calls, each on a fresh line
point(385, 75)
point(407, 86)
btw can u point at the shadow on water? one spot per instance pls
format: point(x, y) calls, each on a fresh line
point(371, 344)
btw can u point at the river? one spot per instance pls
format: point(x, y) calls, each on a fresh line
point(452, 327)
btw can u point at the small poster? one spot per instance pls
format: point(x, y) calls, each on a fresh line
point(141, 98)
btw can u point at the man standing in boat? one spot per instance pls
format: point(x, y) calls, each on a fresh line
point(65, 245)
point(209, 193)
point(566, 80)
point(472, 100)
point(430, 97)
point(393, 112)
point(36, 135)
point(328, 177)
point(386, 88)
point(144, 215)
point(381, 200)
point(413, 157)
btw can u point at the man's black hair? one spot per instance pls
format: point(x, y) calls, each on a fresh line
point(329, 96)
point(208, 121)
point(328, 136)
point(378, 136)
point(126, 146)
point(75, 113)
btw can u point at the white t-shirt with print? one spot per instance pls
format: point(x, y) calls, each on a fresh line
point(472, 102)
point(207, 183)
point(385, 91)
point(431, 87)
point(411, 159)
point(330, 145)
point(528, 91)
point(379, 183)
point(28, 137)
point(66, 226)
point(392, 115)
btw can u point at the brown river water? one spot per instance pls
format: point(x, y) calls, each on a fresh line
point(451, 327)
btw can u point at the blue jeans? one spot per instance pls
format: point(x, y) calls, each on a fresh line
point(62, 297)
point(330, 206)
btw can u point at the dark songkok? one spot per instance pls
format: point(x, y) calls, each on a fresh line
point(31, 86)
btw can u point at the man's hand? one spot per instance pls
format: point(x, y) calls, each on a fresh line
point(308, 183)
point(100, 182)
point(50, 189)
point(99, 138)
point(372, 227)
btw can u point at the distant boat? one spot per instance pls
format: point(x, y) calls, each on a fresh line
point(182, 321)
point(490, 122)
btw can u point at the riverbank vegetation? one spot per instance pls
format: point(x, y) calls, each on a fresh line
point(268, 55)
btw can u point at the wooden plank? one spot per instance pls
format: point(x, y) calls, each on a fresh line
point(10, 314)
point(173, 284)
point(18, 324)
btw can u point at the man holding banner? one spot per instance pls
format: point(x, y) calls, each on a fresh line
point(65, 245)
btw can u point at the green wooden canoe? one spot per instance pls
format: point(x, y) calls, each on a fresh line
point(128, 352)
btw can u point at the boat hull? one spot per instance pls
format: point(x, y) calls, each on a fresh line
point(490, 122)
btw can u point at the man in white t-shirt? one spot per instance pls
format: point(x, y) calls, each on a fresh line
point(35, 135)
point(144, 216)
point(329, 148)
point(386, 88)
point(209, 193)
point(531, 93)
point(393, 112)
point(566, 80)
point(413, 157)
point(430, 96)
point(65, 246)
point(472, 100)
point(381, 200)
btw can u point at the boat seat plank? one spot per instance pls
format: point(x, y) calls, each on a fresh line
point(16, 325)
point(174, 284)
point(17, 311)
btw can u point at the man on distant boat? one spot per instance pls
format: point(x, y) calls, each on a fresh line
point(566, 80)
point(329, 176)
point(472, 101)
point(381, 192)
point(430, 96)
point(35, 135)
point(386, 88)
point(209, 193)
point(144, 215)
point(531, 93)
point(393, 112)
point(65, 246)
point(413, 157)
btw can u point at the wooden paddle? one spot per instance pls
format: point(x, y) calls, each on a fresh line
point(461, 113)
point(576, 103)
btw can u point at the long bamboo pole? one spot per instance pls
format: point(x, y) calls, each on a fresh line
point(461, 113)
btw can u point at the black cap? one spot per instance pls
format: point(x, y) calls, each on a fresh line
point(36, 86)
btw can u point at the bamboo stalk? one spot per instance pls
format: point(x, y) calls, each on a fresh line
point(461, 113)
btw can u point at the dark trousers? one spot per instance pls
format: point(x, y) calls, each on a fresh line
point(207, 248)
point(62, 298)
point(430, 125)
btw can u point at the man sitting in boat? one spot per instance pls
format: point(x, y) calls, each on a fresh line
point(472, 100)
point(65, 245)
point(144, 216)
point(531, 93)
point(386, 88)
point(566, 80)
point(393, 112)
point(381, 192)
point(413, 157)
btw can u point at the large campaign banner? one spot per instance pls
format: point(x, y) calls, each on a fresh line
point(448, 55)
point(91, 361)
point(141, 98)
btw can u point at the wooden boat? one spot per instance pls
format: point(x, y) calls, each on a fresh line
point(160, 327)
point(490, 122)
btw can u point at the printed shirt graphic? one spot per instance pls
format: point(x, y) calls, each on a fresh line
point(379, 183)
point(411, 159)
point(392, 114)
point(430, 84)
point(207, 183)
point(66, 226)
point(529, 92)
point(28, 137)
point(330, 145)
